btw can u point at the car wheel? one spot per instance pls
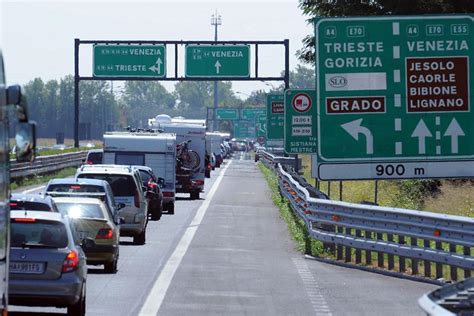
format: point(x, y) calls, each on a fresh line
point(194, 195)
point(111, 267)
point(78, 309)
point(171, 209)
point(156, 213)
point(140, 239)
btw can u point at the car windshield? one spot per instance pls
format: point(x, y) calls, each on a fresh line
point(75, 188)
point(38, 233)
point(77, 210)
point(122, 185)
point(29, 205)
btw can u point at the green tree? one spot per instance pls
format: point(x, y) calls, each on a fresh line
point(313, 9)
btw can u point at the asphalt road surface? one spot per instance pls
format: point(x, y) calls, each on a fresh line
point(229, 253)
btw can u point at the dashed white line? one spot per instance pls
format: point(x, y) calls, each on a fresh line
point(312, 288)
point(160, 287)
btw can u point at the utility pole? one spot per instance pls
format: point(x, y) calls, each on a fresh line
point(216, 21)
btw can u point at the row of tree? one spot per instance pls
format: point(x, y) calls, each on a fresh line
point(51, 103)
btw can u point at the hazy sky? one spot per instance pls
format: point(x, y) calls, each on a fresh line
point(37, 37)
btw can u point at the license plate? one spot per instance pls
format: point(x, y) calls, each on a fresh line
point(27, 267)
point(82, 235)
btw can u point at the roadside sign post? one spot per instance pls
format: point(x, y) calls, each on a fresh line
point(395, 97)
point(217, 60)
point(275, 119)
point(300, 128)
point(129, 60)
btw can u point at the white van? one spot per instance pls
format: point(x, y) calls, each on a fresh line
point(193, 132)
point(151, 149)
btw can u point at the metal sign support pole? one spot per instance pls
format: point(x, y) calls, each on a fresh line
point(76, 93)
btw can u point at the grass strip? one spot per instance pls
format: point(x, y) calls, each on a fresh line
point(43, 178)
point(296, 225)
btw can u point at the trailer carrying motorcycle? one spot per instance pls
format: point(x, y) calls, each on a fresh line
point(191, 134)
point(152, 149)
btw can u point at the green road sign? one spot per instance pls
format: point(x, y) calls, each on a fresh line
point(261, 126)
point(275, 116)
point(300, 113)
point(252, 113)
point(241, 129)
point(395, 97)
point(129, 61)
point(217, 61)
point(227, 114)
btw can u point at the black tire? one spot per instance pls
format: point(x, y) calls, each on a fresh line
point(111, 267)
point(140, 239)
point(157, 212)
point(171, 208)
point(79, 309)
point(194, 195)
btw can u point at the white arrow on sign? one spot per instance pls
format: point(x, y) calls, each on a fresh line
point(157, 66)
point(218, 66)
point(421, 131)
point(454, 131)
point(354, 128)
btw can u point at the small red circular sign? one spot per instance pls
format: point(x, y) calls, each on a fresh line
point(301, 102)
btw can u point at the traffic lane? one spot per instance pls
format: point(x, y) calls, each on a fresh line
point(365, 293)
point(123, 293)
point(241, 258)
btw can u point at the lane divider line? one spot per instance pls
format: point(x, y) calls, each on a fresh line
point(158, 292)
point(34, 189)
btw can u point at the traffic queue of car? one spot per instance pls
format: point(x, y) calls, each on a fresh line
point(75, 222)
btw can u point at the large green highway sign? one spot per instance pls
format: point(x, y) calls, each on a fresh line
point(129, 61)
point(395, 97)
point(227, 114)
point(300, 128)
point(217, 61)
point(252, 113)
point(275, 116)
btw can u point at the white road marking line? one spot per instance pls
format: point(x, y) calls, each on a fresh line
point(312, 288)
point(158, 292)
point(33, 189)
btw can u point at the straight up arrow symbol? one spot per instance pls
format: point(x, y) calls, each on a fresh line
point(157, 66)
point(218, 66)
point(454, 131)
point(421, 131)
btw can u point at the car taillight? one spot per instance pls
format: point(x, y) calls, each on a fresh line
point(168, 194)
point(105, 233)
point(88, 162)
point(71, 262)
point(25, 219)
point(152, 185)
point(136, 199)
point(198, 182)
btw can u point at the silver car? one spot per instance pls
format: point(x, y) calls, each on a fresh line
point(47, 265)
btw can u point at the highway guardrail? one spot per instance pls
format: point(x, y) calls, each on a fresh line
point(46, 164)
point(401, 240)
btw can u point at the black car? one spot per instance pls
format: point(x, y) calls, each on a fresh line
point(32, 202)
point(154, 194)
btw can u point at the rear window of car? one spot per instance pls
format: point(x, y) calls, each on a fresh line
point(31, 206)
point(145, 176)
point(129, 159)
point(38, 233)
point(95, 158)
point(75, 188)
point(77, 210)
point(122, 185)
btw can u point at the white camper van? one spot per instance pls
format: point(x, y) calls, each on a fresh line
point(151, 149)
point(192, 135)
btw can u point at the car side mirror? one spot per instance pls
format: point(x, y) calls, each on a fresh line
point(25, 140)
point(120, 206)
point(87, 242)
point(161, 182)
point(14, 95)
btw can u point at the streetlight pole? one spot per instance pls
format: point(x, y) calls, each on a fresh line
point(216, 21)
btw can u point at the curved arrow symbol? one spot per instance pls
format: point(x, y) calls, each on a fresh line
point(157, 66)
point(354, 128)
point(454, 131)
point(421, 131)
